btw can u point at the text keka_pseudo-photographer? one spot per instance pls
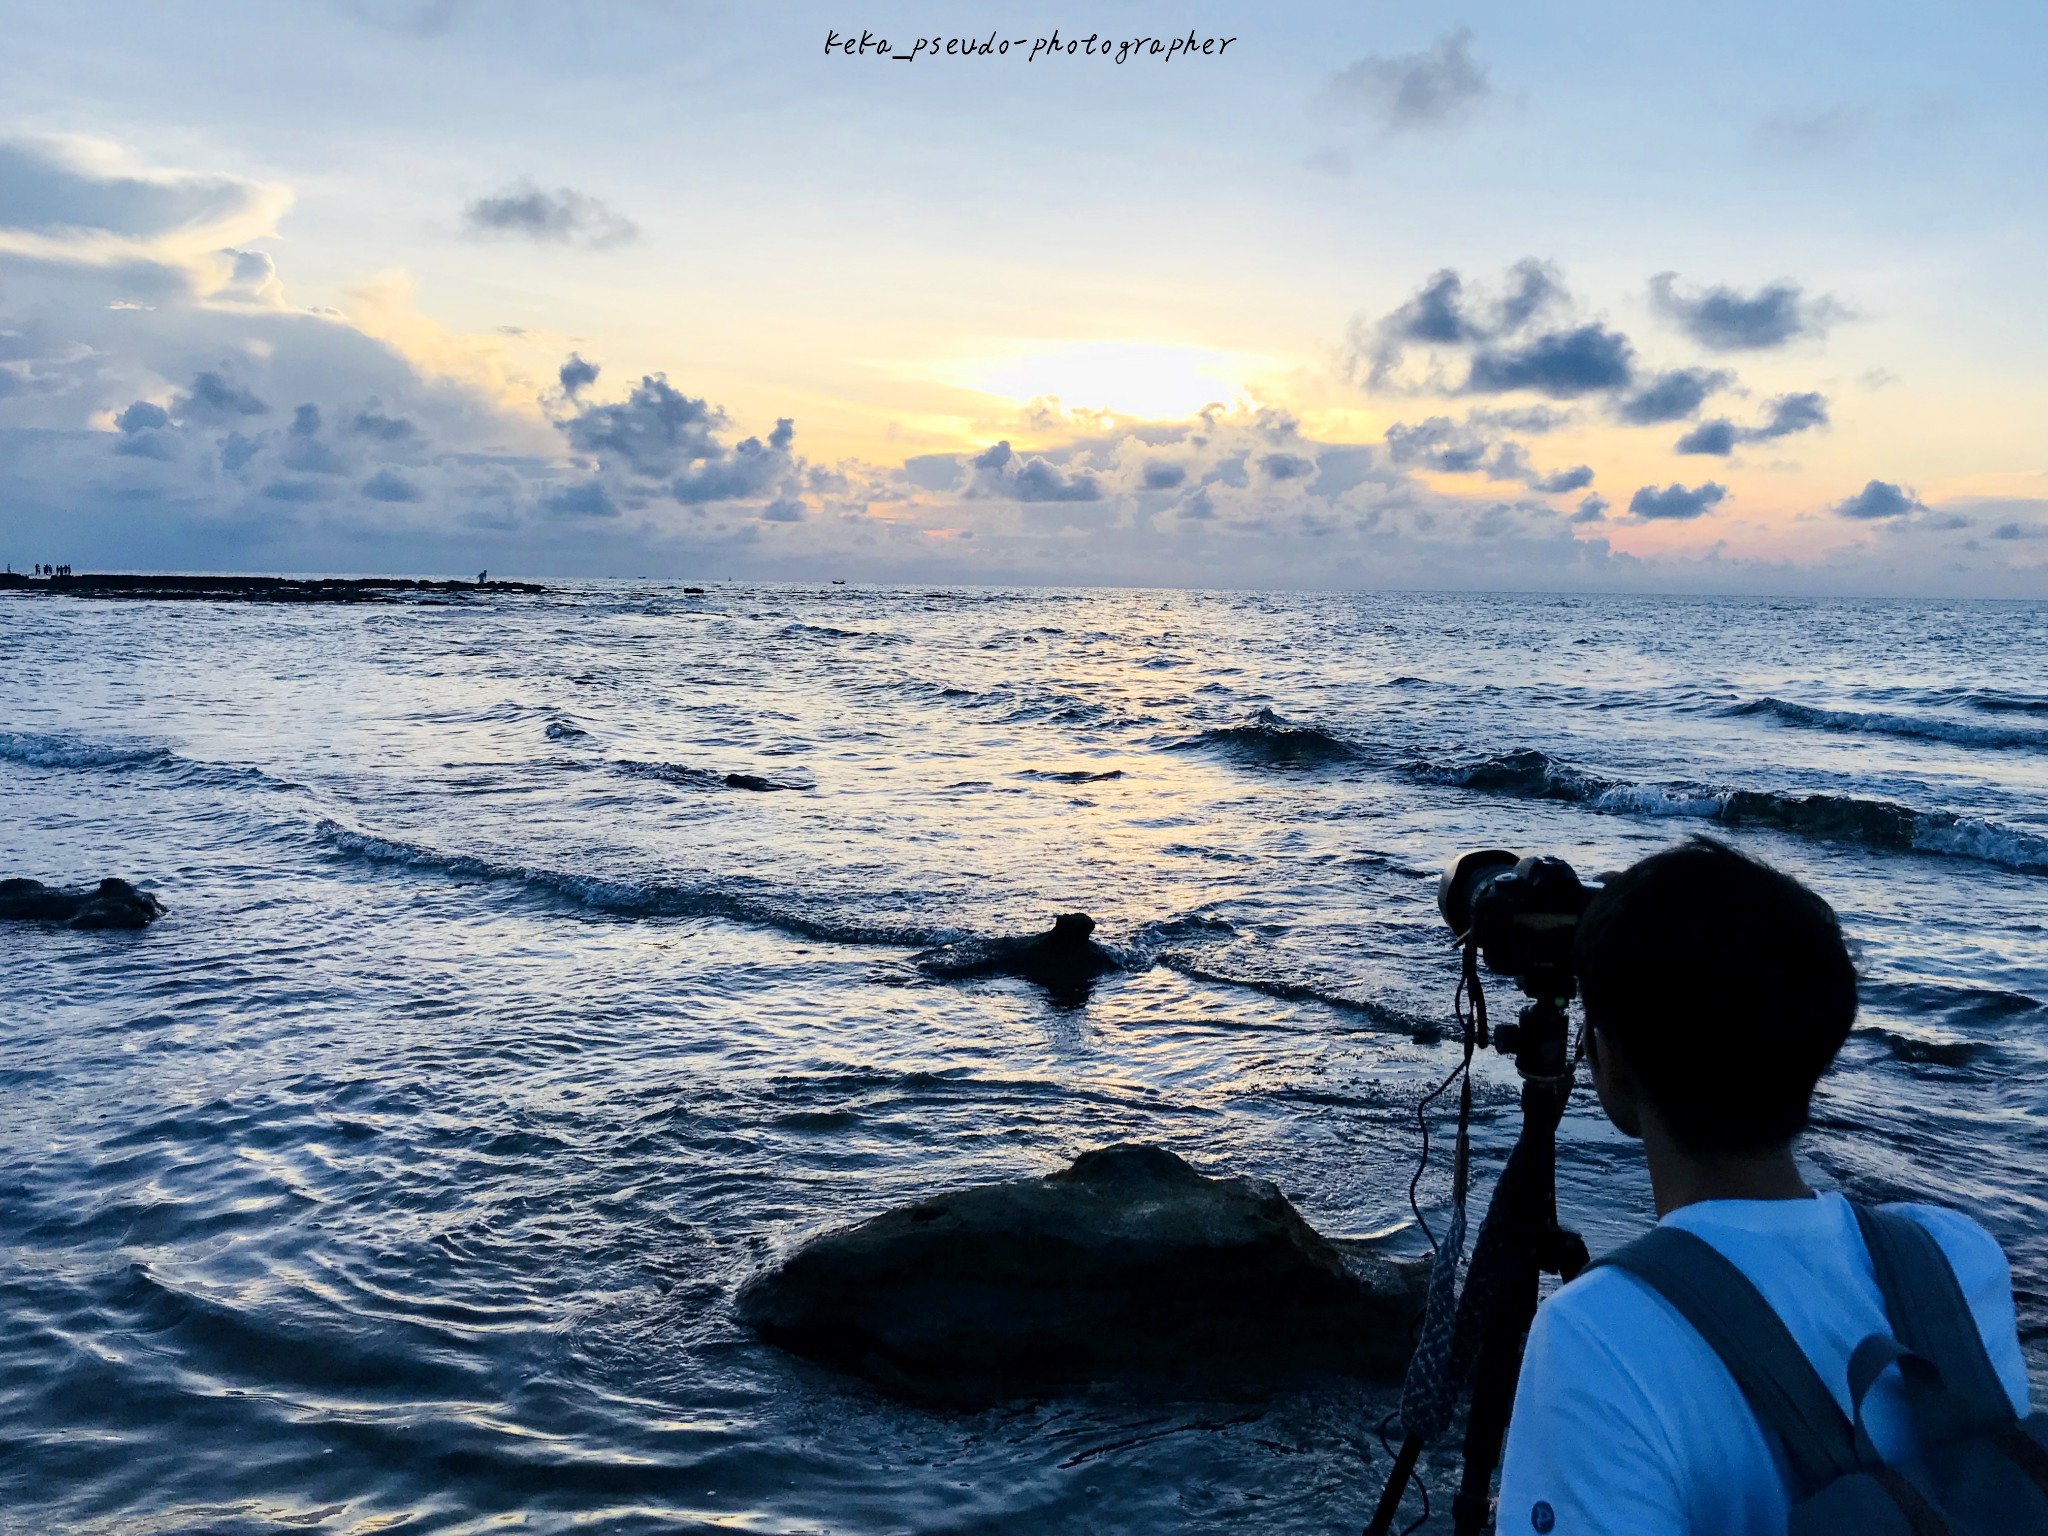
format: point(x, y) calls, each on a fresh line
point(1116, 50)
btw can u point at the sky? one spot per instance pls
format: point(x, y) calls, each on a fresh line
point(1535, 297)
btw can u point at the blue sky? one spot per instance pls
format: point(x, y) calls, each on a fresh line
point(1786, 335)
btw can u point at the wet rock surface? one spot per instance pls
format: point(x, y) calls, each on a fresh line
point(1126, 1267)
point(1065, 960)
point(110, 904)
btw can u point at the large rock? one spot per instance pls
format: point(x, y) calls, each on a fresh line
point(1065, 960)
point(1128, 1266)
point(110, 904)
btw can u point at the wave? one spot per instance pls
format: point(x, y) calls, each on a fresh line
point(1533, 775)
point(625, 897)
point(57, 750)
point(36, 749)
point(704, 778)
point(1923, 1050)
point(1272, 741)
point(1020, 705)
point(1069, 775)
point(1879, 723)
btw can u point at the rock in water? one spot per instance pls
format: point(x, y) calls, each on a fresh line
point(1064, 960)
point(1128, 1266)
point(110, 904)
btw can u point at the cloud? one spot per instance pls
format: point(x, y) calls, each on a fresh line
point(1164, 477)
point(390, 485)
point(654, 432)
point(788, 510)
point(2011, 531)
point(86, 203)
point(1592, 509)
point(576, 375)
point(1788, 414)
point(563, 217)
point(212, 398)
point(1562, 364)
point(1562, 480)
point(1725, 320)
point(588, 499)
point(999, 472)
point(1439, 88)
point(373, 423)
point(1879, 499)
point(1676, 502)
point(1444, 313)
point(1286, 466)
point(1673, 395)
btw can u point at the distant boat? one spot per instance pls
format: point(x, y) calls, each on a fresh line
point(838, 581)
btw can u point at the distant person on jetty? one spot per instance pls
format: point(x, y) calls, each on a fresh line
point(481, 577)
point(1717, 991)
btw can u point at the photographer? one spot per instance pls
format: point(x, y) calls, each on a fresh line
point(1717, 991)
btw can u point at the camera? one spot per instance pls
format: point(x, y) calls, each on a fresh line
point(1522, 912)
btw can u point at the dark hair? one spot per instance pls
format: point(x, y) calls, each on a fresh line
point(1726, 985)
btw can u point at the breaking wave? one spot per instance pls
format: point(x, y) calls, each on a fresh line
point(1273, 741)
point(1881, 723)
point(1873, 823)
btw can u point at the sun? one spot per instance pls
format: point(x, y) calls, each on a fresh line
point(1142, 380)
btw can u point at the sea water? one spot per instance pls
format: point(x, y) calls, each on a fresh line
point(535, 971)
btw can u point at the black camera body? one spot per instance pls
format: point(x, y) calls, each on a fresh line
point(1522, 912)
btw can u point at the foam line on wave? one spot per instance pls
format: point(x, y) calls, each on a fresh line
point(1886, 824)
point(1849, 722)
point(621, 897)
point(65, 751)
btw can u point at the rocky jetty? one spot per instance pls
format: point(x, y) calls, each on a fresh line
point(1065, 960)
point(110, 904)
point(260, 589)
point(1127, 1267)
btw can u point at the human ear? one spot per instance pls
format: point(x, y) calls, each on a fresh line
point(1614, 1083)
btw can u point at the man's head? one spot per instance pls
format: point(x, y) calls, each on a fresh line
point(1718, 991)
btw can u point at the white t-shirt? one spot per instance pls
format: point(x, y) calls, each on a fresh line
point(1627, 1424)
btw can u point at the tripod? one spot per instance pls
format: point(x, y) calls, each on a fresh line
point(1519, 1240)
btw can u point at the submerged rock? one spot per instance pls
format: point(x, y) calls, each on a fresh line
point(110, 904)
point(1127, 1267)
point(1064, 960)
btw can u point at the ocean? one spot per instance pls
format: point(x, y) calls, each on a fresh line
point(535, 971)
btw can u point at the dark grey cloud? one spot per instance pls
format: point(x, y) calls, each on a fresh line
point(654, 432)
point(390, 485)
point(1559, 481)
point(1041, 481)
point(1593, 509)
point(1584, 360)
point(993, 457)
point(1286, 466)
point(1672, 395)
point(787, 510)
point(1440, 87)
point(1676, 501)
point(576, 375)
point(375, 424)
point(2010, 531)
point(752, 468)
point(1879, 499)
point(212, 399)
point(564, 216)
point(1713, 437)
point(1786, 415)
point(1727, 320)
point(1164, 477)
point(587, 499)
point(141, 416)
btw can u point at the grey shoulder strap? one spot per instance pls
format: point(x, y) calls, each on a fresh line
point(1928, 1312)
point(1783, 1390)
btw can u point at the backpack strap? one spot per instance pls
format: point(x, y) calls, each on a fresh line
point(1928, 1313)
point(1780, 1384)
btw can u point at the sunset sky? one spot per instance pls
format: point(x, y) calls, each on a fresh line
point(1586, 296)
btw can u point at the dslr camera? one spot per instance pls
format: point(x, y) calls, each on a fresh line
point(1520, 915)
